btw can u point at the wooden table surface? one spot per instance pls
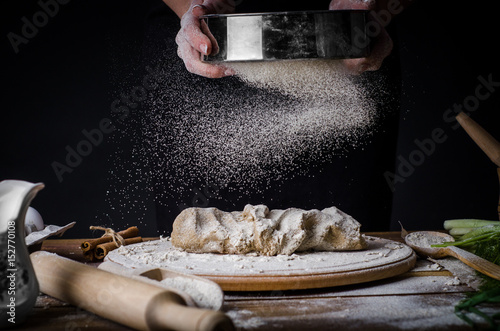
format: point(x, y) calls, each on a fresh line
point(417, 300)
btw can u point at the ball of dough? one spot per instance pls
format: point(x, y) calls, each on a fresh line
point(266, 232)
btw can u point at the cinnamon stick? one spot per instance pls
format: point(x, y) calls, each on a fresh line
point(103, 249)
point(89, 256)
point(90, 245)
point(69, 248)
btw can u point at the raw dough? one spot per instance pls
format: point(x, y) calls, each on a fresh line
point(266, 232)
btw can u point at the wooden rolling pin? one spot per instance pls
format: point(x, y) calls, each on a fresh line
point(489, 145)
point(129, 302)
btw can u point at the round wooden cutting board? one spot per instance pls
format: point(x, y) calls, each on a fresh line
point(382, 259)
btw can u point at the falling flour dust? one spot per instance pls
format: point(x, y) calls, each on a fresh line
point(311, 109)
point(273, 121)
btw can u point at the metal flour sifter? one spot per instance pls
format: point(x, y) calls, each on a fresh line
point(327, 34)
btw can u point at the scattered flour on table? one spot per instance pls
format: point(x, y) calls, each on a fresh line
point(381, 312)
point(242, 319)
point(455, 281)
point(400, 303)
point(464, 273)
point(425, 265)
point(435, 266)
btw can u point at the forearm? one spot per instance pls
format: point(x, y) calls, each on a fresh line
point(178, 6)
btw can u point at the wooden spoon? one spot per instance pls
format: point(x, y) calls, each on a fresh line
point(421, 242)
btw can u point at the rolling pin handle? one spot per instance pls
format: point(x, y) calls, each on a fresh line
point(163, 313)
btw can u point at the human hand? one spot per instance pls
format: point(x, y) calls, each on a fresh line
point(194, 38)
point(381, 47)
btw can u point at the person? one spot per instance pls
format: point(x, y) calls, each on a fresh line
point(193, 39)
point(351, 180)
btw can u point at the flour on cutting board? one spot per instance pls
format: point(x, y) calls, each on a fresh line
point(203, 294)
point(161, 253)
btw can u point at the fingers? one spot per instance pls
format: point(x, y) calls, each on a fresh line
point(194, 38)
point(191, 58)
point(382, 47)
point(198, 10)
point(213, 41)
point(191, 31)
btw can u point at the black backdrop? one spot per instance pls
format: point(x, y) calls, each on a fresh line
point(69, 70)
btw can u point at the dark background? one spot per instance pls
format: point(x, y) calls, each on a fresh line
point(65, 78)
